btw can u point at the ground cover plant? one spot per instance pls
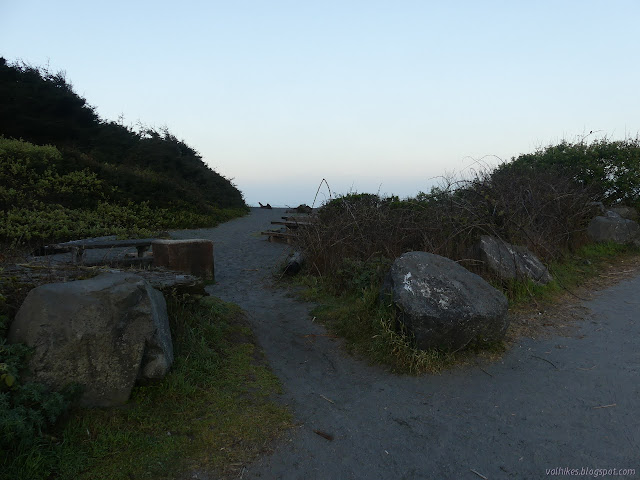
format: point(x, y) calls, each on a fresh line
point(41, 203)
point(543, 201)
point(212, 412)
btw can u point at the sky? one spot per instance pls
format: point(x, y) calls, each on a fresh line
point(373, 96)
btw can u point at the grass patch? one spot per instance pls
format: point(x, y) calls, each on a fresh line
point(214, 411)
point(570, 272)
point(372, 332)
point(348, 304)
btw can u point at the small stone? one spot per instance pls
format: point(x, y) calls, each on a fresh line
point(294, 263)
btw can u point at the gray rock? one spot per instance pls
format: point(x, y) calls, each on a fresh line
point(510, 261)
point(629, 213)
point(443, 304)
point(613, 228)
point(294, 263)
point(104, 333)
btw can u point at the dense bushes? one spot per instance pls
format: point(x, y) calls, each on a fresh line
point(29, 176)
point(39, 203)
point(539, 200)
point(41, 107)
point(610, 168)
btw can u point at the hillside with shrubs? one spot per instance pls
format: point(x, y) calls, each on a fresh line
point(66, 173)
point(542, 200)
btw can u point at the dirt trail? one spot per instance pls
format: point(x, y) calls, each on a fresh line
point(560, 402)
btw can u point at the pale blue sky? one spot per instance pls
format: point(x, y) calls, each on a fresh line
point(371, 95)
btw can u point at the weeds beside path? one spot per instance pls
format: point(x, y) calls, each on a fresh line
point(554, 401)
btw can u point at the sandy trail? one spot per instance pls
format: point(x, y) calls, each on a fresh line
point(570, 402)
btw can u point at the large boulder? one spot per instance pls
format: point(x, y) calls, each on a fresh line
point(613, 228)
point(443, 304)
point(104, 333)
point(509, 262)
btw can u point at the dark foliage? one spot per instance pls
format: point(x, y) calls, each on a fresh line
point(611, 169)
point(42, 108)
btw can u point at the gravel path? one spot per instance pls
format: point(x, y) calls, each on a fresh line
point(569, 402)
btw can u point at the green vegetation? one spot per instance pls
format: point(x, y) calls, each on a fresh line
point(349, 306)
point(38, 202)
point(212, 411)
point(65, 173)
point(571, 272)
point(543, 201)
point(611, 169)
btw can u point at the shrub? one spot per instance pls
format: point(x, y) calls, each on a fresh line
point(539, 200)
point(610, 168)
point(28, 411)
point(542, 211)
point(28, 175)
point(40, 204)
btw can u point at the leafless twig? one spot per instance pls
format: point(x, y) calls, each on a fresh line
point(544, 359)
